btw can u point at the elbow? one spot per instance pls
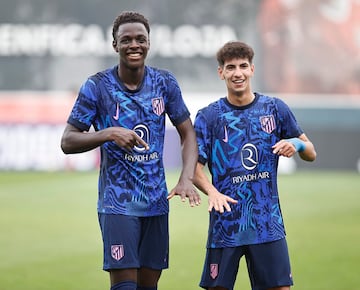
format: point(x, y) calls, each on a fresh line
point(64, 145)
point(310, 157)
point(313, 157)
point(64, 148)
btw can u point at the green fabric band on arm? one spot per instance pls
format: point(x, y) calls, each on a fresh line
point(299, 144)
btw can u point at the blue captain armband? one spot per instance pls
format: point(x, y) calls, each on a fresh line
point(298, 143)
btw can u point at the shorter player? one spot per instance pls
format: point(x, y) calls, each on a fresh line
point(240, 137)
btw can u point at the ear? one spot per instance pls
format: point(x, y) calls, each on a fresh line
point(114, 44)
point(220, 72)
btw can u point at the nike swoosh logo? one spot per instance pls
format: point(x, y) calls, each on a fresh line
point(116, 117)
point(226, 137)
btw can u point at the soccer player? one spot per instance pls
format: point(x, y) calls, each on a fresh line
point(240, 138)
point(126, 104)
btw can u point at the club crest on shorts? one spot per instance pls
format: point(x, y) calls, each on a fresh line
point(268, 123)
point(214, 270)
point(158, 105)
point(117, 252)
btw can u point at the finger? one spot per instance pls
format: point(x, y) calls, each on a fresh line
point(219, 207)
point(191, 201)
point(197, 198)
point(231, 200)
point(194, 198)
point(171, 194)
point(183, 196)
point(141, 142)
point(227, 207)
point(210, 207)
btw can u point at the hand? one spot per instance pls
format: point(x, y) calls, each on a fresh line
point(186, 190)
point(127, 138)
point(284, 148)
point(220, 202)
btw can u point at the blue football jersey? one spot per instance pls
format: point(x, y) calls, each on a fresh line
point(131, 183)
point(235, 143)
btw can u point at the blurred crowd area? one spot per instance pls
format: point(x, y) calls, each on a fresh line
point(306, 52)
point(301, 47)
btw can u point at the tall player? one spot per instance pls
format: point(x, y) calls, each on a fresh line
point(240, 138)
point(126, 105)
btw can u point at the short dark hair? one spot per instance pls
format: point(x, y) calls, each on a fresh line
point(129, 17)
point(234, 49)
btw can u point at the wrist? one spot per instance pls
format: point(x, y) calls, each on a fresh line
point(298, 143)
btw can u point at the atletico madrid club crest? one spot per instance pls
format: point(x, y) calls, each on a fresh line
point(214, 270)
point(268, 123)
point(117, 252)
point(158, 105)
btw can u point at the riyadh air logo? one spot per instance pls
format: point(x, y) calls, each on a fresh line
point(117, 252)
point(158, 105)
point(249, 156)
point(268, 123)
point(144, 134)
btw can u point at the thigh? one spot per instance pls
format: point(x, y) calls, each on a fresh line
point(121, 237)
point(221, 268)
point(269, 265)
point(154, 244)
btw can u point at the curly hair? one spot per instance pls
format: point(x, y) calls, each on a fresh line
point(129, 17)
point(234, 49)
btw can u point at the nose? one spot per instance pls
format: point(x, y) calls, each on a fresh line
point(238, 71)
point(134, 43)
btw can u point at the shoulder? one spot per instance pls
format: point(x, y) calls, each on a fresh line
point(154, 71)
point(99, 77)
point(212, 107)
point(211, 111)
point(272, 101)
point(94, 82)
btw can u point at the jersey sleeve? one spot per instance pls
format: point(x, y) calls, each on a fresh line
point(289, 125)
point(175, 107)
point(84, 109)
point(202, 136)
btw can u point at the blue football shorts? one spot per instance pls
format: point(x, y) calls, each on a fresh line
point(268, 266)
point(134, 242)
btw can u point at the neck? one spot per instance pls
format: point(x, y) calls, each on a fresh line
point(131, 78)
point(241, 99)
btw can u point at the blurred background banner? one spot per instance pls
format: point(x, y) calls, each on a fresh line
point(306, 52)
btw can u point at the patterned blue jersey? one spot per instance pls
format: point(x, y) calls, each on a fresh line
point(131, 183)
point(236, 144)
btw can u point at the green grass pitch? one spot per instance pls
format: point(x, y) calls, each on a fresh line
point(50, 237)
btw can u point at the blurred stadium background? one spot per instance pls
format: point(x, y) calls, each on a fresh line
point(307, 53)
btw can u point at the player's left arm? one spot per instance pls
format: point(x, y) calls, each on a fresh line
point(185, 187)
point(301, 144)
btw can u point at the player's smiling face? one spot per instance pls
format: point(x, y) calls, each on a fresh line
point(132, 44)
point(237, 73)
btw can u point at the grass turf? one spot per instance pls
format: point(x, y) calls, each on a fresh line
point(50, 237)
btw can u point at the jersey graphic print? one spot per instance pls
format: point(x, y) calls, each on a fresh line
point(131, 182)
point(244, 167)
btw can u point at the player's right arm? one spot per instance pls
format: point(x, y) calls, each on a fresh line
point(76, 141)
point(218, 201)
